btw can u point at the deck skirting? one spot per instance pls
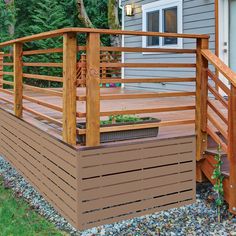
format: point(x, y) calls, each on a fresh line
point(105, 184)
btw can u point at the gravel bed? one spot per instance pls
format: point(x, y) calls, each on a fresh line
point(197, 219)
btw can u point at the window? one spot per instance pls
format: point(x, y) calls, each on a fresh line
point(162, 16)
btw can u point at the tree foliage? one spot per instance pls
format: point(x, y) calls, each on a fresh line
point(21, 18)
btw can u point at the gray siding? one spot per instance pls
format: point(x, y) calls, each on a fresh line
point(198, 18)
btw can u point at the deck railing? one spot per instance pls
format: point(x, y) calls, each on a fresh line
point(221, 126)
point(90, 71)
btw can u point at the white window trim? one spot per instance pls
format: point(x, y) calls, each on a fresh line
point(159, 5)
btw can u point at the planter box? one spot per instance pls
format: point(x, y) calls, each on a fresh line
point(125, 134)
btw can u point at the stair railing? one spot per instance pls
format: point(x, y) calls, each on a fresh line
point(219, 114)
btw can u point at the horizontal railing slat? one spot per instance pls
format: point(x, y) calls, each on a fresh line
point(142, 111)
point(144, 95)
point(149, 65)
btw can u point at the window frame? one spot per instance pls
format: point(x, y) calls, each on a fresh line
point(160, 6)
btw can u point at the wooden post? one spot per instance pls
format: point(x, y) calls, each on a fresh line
point(1, 68)
point(232, 149)
point(201, 98)
point(18, 79)
point(69, 88)
point(93, 90)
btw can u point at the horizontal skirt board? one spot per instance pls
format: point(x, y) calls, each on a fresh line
point(131, 155)
point(134, 165)
point(29, 139)
point(59, 148)
point(105, 198)
point(47, 183)
point(11, 156)
point(134, 214)
point(140, 206)
point(38, 163)
point(103, 181)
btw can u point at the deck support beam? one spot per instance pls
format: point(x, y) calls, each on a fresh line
point(93, 90)
point(232, 149)
point(18, 79)
point(69, 87)
point(201, 98)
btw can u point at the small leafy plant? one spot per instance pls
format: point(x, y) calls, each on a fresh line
point(121, 119)
point(218, 186)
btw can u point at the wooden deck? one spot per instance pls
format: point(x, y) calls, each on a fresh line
point(127, 104)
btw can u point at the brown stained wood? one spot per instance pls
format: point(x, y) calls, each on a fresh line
point(6, 100)
point(36, 158)
point(139, 49)
point(217, 125)
point(42, 103)
point(218, 96)
point(43, 77)
point(42, 116)
point(6, 82)
point(60, 32)
point(1, 69)
point(7, 73)
point(42, 64)
point(218, 82)
point(201, 98)
point(8, 63)
point(148, 65)
point(69, 88)
point(232, 149)
point(141, 126)
point(93, 90)
point(164, 178)
point(220, 66)
point(6, 91)
point(43, 90)
point(217, 139)
point(142, 111)
point(42, 51)
point(18, 79)
point(146, 80)
point(217, 111)
point(138, 96)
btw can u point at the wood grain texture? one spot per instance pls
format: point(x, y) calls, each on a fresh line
point(60, 32)
point(232, 149)
point(1, 69)
point(201, 98)
point(18, 79)
point(93, 90)
point(69, 88)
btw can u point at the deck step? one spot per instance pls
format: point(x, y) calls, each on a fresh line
point(215, 152)
point(210, 159)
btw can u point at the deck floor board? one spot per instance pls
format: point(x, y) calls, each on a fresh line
point(121, 104)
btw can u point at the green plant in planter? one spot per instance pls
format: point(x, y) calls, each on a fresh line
point(218, 186)
point(121, 119)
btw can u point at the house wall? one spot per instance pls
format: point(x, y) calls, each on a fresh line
point(198, 18)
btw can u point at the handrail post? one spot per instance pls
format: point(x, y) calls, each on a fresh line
point(201, 98)
point(232, 148)
point(1, 68)
point(93, 90)
point(69, 87)
point(18, 79)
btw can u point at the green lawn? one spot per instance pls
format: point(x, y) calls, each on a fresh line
point(16, 217)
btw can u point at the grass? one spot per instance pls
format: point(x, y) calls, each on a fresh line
point(17, 218)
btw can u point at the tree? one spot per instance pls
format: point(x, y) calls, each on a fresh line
point(113, 21)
